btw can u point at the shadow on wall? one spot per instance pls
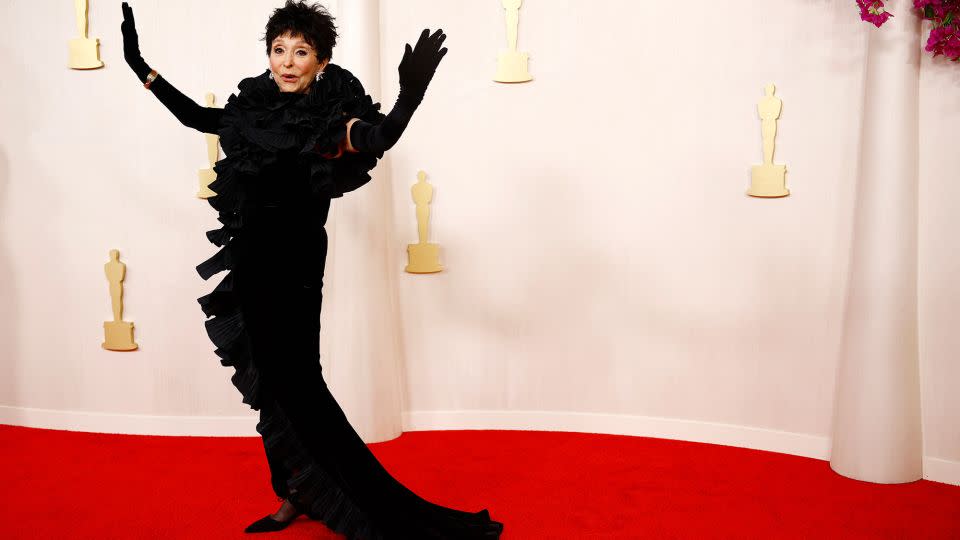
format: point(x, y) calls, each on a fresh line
point(9, 300)
point(568, 265)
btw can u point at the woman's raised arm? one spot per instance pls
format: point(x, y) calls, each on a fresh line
point(416, 69)
point(187, 111)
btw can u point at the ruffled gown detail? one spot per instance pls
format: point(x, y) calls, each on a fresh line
point(273, 193)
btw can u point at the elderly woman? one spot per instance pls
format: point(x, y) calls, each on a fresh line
point(298, 135)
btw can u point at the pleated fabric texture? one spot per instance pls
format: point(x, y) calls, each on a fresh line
point(275, 172)
point(295, 475)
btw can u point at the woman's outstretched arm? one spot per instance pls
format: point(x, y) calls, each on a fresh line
point(416, 69)
point(187, 111)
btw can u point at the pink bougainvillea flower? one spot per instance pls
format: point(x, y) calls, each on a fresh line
point(939, 37)
point(944, 15)
point(873, 11)
point(951, 49)
point(937, 6)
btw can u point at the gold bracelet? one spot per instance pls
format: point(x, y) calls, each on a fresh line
point(150, 78)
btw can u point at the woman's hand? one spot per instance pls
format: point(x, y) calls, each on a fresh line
point(131, 44)
point(420, 62)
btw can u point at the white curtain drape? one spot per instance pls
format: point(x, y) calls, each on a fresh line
point(877, 432)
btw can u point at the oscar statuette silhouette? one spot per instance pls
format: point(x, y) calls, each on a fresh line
point(768, 180)
point(84, 52)
point(118, 334)
point(512, 65)
point(423, 257)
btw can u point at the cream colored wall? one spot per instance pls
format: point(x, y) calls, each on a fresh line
point(90, 162)
point(601, 254)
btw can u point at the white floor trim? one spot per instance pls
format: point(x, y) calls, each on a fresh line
point(784, 442)
point(941, 470)
point(798, 444)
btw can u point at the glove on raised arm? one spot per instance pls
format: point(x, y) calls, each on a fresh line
point(131, 44)
point(187, 111)
point(416, 70)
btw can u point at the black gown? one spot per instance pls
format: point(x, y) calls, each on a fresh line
point(273, 193)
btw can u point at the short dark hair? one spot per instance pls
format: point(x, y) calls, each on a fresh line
point(312, 22)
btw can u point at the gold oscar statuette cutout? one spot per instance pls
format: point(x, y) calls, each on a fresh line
point(423, 257)
point(118, 335)
point(768, 180)
point(84, 52)
point(511, 64)
point(213, 153)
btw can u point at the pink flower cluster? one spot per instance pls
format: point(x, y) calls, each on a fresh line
point(873, 11)
point(945, 14)
point(945, 36)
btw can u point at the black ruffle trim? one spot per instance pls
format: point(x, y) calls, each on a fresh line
point(228, 333)
point(261, 123)
point(309, 487)
point(314, 492)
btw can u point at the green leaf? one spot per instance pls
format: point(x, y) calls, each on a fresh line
point(928, 11)
point(948, 19)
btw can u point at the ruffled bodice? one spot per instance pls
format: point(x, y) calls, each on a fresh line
point(265, 131)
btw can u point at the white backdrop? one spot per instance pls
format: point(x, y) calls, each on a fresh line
point(605, 271)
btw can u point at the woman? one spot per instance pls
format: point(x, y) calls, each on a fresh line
point(296, 136)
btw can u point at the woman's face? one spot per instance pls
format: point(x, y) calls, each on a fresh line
point(294, 63)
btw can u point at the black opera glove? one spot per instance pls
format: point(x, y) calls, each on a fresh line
point(420, 63)
point(416, 70)
point(131, 44)
point(205, 119)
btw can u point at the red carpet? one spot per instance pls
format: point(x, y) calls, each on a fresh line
point(67, 485)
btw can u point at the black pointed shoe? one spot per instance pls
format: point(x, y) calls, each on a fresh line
point(268, 524)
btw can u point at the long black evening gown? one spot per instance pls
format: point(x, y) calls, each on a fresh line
point(273, 193)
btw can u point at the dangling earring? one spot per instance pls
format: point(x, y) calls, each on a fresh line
point(271, 75)
point(319, 75)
